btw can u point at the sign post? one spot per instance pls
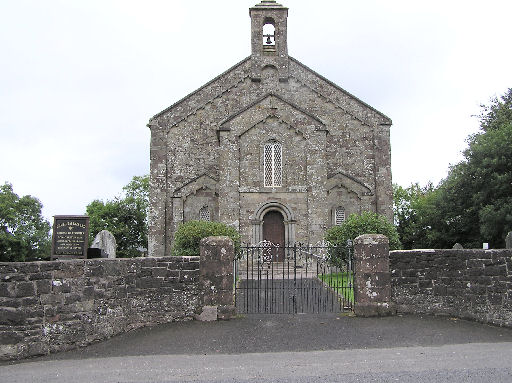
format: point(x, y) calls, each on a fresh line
point(70, 238)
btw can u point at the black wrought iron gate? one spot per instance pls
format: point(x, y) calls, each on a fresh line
point(294, 279)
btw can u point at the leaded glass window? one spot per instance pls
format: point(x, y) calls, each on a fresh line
point(273, 164)
point(339, 216)
point(204, 214)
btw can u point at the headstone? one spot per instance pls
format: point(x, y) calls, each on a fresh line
point(70, 236)
point(508, 240)
point(94, 253)
point(105, 241)
point(458, 246)
point(485, 246)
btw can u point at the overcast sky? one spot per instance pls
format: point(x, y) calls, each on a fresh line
point(79, 79)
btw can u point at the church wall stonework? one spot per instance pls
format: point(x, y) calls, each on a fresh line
point(208, 148)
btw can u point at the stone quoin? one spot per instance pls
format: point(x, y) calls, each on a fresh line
point(268, 142)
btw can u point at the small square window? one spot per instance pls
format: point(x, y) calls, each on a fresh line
point(204, 214)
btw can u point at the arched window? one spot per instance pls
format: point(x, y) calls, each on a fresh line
point(339, 215)
point(204, 214)
point(273, 164)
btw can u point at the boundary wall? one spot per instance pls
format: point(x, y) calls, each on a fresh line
point(470, 284)
point(54, 306)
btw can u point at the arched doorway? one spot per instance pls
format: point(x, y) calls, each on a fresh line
point(273, 231)
point(287, 217)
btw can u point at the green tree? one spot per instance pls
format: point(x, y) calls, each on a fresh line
point(406, 202)
point(477, 194)
point(366, 223)
point(124, 216)
point(473, 204)
point(418, 218)
point(497, 113)
point(24, 233)
point(481, 188)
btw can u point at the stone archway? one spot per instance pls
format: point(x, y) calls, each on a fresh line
point(288, 221)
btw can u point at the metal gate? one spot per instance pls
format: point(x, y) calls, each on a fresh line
point(294, 279)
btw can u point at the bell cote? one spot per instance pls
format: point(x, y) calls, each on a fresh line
point(269, 38)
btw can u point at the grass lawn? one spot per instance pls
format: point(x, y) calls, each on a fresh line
point(342, 283)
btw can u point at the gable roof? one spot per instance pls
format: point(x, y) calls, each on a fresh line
point(382, 115)
point(201, 88)
point(215, 93)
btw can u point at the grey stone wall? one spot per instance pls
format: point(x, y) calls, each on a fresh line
point(55, 306)
point(471, 284)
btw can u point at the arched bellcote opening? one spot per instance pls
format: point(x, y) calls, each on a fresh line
point(269, 35)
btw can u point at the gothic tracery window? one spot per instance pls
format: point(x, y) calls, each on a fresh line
point(273, 164)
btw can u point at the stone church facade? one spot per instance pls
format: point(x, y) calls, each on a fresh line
point(269, 147)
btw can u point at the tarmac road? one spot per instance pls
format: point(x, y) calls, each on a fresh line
point(281, 348)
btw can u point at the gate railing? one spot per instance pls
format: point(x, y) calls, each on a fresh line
point(294, 279)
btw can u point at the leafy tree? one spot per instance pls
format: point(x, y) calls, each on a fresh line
point(24, 233)
point(497, 113)
point(189, 234)
point(406, 203)
point(124, 216)
point(366, 223)
point(478, 191)
point(474, 203)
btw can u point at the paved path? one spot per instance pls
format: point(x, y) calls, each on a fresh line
point(287, 296)
point(282, 348)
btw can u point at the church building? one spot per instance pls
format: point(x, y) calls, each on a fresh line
point(270, 147)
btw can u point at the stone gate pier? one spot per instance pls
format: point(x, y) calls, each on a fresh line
point(372, 279)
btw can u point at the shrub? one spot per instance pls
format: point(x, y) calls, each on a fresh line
point(189, 234)
point(366, 223)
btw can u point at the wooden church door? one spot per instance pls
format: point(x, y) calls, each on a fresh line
point(273, 231)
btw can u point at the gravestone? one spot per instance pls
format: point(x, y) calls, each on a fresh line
point(508, 240)
point(458, 246)
point(70, 236)
point(106, 242)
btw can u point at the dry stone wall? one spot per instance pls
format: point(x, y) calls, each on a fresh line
point(470, 284)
